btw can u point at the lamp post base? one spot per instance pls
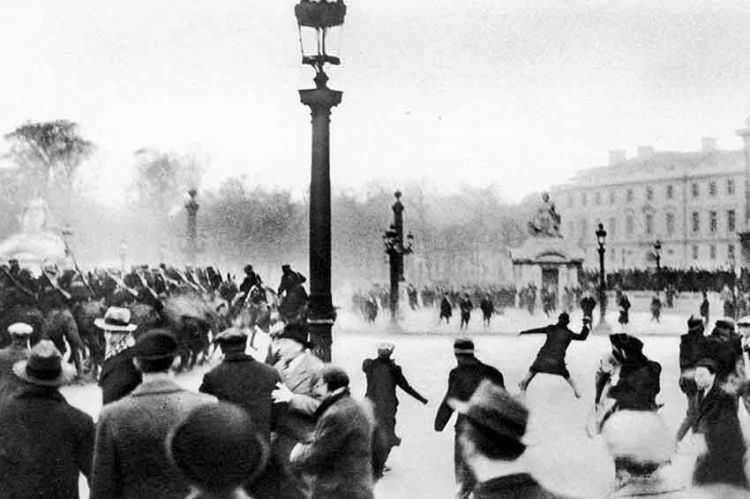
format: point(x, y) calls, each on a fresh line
point(320, 336)
point(602, 328)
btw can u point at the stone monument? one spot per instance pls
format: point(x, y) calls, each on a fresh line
point(35, 243)
point(546, 259)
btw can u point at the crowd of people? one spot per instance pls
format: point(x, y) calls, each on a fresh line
point(282, 423)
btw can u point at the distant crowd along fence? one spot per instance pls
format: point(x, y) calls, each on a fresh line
point(681, 280)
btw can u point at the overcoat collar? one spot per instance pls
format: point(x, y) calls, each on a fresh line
point(157, 387)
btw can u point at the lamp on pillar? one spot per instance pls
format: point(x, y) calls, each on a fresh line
point(393, 240)
point(602, 327)
point(320, 24)
point(657, 256)
point(192, 234)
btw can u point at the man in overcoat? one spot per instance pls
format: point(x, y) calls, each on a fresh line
point(714, 416)
point(338, 457)
point(298, 368)
point(119, 375)
point(18, 350)
point(130, 459)
point(383, 376)
point(248, 383)
point(45, 443)
point(462, 382)
point(551, 357)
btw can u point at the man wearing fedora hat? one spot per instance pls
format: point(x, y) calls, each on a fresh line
point(491, 439)
point(118, 376)
point(129, 456)
point(20, 332)
point(220, 450)
point(298, 368)
point(44, 442)
point(462, 382)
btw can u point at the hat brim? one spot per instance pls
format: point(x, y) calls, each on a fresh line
point(128, 328)
point(463, 408)
point(66, 376)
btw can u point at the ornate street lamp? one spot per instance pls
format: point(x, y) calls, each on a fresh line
point(393, 240)
point(319, 25)
point(192, 235)
point(657, 255)
point(601, 239)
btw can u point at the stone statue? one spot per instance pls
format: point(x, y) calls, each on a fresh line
point(546, 223)
point(34, 243)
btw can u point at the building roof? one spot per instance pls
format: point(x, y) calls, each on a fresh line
point(660, 166)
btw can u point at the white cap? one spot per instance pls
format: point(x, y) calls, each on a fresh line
point(639, 435)
point(20, 329)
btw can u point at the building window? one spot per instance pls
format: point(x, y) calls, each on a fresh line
point(712, 222)
point(612, 228)
point(611, 197)
point(629, 194)
point(584, 198)
point(730, 221)
point(696, 222)
point(696, 190)
point(670, 191)
point(650, 193)
point(649, 223)
point(712, 250)
point(597, 197)
point(712, 188)
point(670, 224)
point(584, 227)
point(730, 186)
point(730, 251)
point(695, 252)
point(629, 225)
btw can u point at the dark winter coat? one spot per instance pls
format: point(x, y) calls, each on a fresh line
point(9, 382)
point(339, 457)
point(624, 305)
point(516, 486)
point(488, 308)
point(44, 444)
point(725, 350)
point(587, 306)
point(243, 381)
point(551, 357)
point(462, 382)
point(715, 417)
point(130, 459)
point(383, 376)
point(119, 377)
point(446, 309)
point(638, 385)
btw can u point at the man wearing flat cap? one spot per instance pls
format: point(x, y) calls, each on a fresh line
point(298, 368)
point(724, 347)
point(20, 332)
point(462, 382)
point(130, 455)
point(45, 443)
point(491, 440)
point(383, 376)
point(247, 383)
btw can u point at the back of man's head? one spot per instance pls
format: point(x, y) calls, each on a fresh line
point(334, 377)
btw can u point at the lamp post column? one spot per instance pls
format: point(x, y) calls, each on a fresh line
point(602, 289)
point(192, 232)
point(320, 309)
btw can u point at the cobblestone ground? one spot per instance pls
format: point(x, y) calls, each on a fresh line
point(561, 454)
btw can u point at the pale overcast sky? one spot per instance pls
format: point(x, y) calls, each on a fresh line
point(515, 93)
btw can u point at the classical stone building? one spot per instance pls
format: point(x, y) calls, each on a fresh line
point(692, 202)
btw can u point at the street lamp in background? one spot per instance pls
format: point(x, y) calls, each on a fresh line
point(601, 239)
point(192, 233)
point(393, 239)
point(320, 23)
point(657, 255)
